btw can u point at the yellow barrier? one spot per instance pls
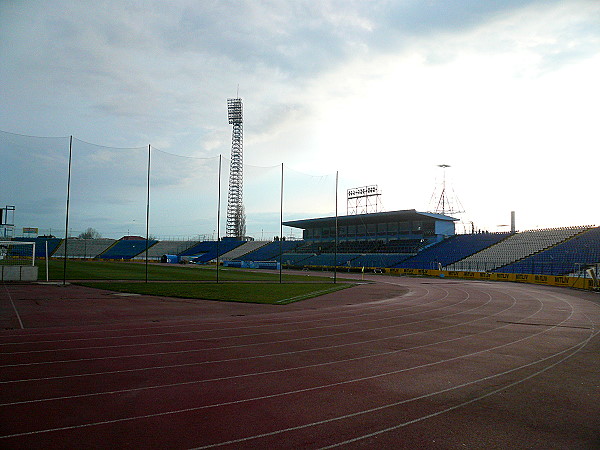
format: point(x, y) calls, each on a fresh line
point(548, 280)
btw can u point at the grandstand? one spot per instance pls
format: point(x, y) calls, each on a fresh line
point(367, 240)
point(296, 260)
point(399, 227)
point(570, 256)
point(40, 244)
point(125, 249)
point(166, 248)
point(453, 249)
point(244, 249)
point(403, 240)
point(413, 240)
point(270, 251)
point(206, 251)
point(514, 248)
point(83, 248)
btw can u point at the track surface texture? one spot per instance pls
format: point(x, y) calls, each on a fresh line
point(403, 363)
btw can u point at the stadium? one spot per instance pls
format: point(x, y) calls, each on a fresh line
point(181, 269)
point(385, 242)
point(373, 329)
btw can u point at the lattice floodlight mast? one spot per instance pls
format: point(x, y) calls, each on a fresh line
point(446, 204)
point(236, 221)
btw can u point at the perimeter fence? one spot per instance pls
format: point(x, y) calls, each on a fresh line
point(74, 190)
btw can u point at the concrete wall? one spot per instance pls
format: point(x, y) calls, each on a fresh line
point(18, 273)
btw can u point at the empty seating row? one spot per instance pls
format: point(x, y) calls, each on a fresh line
point(364, 246)
point(570, 256)
point(167, 248)
point(515, 247)
point(40, 245)
point(83, 248)
point(295, 259)
point(208, 250)
point(380, 259)
point(244, 249)
point(126, 249)
point(271, 251)
point(451, 250)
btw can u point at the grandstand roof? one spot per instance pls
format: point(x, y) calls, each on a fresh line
point(357, 219)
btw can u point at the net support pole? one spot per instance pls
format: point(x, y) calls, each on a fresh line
point(336, 230)
point(47, 263)
point(148, 212)
point(281, 228)
point(218, 215)
point(67, 212)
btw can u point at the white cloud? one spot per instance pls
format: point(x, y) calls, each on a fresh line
point(381, 91)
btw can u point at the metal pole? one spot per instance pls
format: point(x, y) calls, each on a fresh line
point(148, 212)
point(47, 271)
point(336, 231)
point(67, 213)
point(281, 226)
point(218, 217)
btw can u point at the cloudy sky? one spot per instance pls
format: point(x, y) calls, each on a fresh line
point(505, 92)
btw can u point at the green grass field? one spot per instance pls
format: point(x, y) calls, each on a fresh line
point(271, 293)
point(197, 282)
point(109, 270)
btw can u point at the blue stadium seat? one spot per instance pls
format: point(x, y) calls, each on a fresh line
point(270, 251)
point(126, 249)
point(564, 258)
point(208, 250)
point(40, 245)
point(451, 250)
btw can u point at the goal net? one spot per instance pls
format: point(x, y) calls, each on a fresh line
point(16, 253)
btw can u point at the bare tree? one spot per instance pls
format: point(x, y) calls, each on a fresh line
point(90, 233)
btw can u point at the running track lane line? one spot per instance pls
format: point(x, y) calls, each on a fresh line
point(431, 394)
point(268, 372)
point(237, 337)
point(367, 436)
point(495, 391)
point(353, 316)
point(13, 306)
point(269, 355)
point(147, 416)
point(126, 419)
point(280, 317)
point(254, 344)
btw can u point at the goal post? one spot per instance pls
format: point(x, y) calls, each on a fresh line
point(17, 261)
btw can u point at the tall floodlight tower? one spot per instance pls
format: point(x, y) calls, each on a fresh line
point(446, 203)
point(236, 217)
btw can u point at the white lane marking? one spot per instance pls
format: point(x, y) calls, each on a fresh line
point(245, 335)
point(145, 416)
point(257, 343)
point(328, 347)
point(14, 307)
point(226, 337)
point(289, 369)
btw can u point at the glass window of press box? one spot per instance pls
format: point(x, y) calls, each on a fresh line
point(380, 230)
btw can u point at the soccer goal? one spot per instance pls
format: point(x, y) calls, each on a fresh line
point(17, 261)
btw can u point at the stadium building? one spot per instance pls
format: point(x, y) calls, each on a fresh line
point(408, 228)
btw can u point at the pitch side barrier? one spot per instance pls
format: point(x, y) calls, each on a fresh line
point(548, 280)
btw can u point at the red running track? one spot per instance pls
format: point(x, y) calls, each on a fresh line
point(404, 363)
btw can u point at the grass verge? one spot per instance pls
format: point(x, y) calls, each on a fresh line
point(268, 293)
point(111, 270)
